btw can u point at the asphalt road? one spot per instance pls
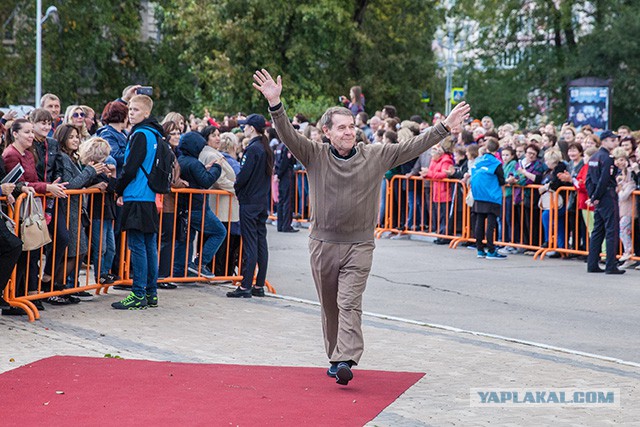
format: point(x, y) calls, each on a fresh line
point(553, 302)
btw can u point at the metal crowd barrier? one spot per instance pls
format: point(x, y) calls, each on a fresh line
point(520, 226)
point(300, 199)
point(18, 294)
point(410, 209)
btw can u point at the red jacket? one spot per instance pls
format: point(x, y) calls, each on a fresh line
point(581, 188)
point(12, 157)
point(440, 191)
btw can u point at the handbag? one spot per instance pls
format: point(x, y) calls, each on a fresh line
point(544, 202)
point(182, 225)
point(84, 217)
point(33, 230)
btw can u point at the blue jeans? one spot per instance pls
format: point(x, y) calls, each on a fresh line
point(383, 203)
point(303, 194)
point(545, 223)
point(214, 233)
point(144, 262)
point(108, 246)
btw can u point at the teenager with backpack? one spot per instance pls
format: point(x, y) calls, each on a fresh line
point(139, 212)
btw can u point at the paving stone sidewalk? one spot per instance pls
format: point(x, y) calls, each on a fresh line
point(196, 323)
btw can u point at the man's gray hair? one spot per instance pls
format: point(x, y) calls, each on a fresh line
point(327, 117)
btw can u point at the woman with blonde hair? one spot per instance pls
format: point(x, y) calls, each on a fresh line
point(101, 208)
point(75, 116)
point(91, 122)
point(550, 183)
point(177, 118)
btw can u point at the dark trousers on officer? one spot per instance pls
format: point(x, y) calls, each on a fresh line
point(253, 220)
point(285, 202)
point(606, 224)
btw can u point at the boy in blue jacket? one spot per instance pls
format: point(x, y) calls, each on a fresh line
point(139, 213)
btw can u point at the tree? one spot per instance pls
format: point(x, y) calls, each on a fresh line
point(88, 58)
point(528, 50)
point(320, 48)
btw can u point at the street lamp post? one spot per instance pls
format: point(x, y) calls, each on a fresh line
point(447, 43)
point(51, 10)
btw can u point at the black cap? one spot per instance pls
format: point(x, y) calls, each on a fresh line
point(255, 120)
point(608, 134)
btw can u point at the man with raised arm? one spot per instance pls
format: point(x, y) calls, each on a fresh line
point(344, 192)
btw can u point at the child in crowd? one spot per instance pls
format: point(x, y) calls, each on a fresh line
point(625, 188)
point(509, 166)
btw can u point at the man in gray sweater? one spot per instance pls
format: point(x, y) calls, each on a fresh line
point(344, 192)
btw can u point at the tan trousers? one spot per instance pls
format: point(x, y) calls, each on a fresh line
point(340, 273)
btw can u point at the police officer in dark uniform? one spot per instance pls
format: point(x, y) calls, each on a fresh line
point(252, 186)
point(284, 171)
point(601, 186)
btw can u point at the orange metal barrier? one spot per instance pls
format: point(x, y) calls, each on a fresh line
point(521, 224)
point(300, 199)
point(29, 269)
point(410, 208)
point(570, 234)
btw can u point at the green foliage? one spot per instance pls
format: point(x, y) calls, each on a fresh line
point(312, 108)
point(209, 50)
point(320, 48)
point(88, 58)
point(556, 42)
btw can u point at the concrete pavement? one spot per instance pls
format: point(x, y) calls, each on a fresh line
point(197, 323)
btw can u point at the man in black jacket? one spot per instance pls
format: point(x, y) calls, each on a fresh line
point(284, 171)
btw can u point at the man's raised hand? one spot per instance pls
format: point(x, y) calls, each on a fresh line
point(458, 115)
point(269, 88)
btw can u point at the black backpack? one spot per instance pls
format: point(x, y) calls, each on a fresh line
point(160, 177)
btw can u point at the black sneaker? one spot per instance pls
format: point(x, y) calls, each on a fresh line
point(257, 291)
point(131, 302)
point(113, 277)
point(13, 311)
point(343, 373)
point(167, 285)
point(38, 304)
point(3, 303)
point(152, 300)
point(239, 293)
point(83, 296)
point(58, 300)
point(105, 279)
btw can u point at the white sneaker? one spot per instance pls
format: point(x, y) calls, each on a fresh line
point(628, 264)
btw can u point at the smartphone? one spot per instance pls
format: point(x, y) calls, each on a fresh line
point(145, 90)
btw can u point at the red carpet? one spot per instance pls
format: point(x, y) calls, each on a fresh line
point(83, 391)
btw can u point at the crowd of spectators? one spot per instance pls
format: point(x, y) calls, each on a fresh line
point(81, 149)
